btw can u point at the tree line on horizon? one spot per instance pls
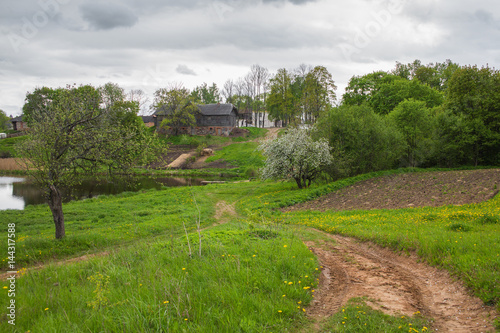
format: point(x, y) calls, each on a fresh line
point(439, 114)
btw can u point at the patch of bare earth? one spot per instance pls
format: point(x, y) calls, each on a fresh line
point(223, 212)
point(411, 190)
point(397, 284)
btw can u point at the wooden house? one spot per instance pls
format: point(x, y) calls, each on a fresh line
point(215, 119)
point(18, 124)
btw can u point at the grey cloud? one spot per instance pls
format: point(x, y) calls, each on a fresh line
point(185, 70)
point(295, 2)
point(484, 16)
point(106, 16)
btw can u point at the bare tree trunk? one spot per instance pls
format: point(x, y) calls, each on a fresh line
point(55, 204)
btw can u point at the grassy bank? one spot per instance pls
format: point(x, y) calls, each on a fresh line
point(7, 146)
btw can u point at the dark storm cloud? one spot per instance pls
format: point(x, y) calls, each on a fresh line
point(106, 16)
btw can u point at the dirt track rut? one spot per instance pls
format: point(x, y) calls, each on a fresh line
point(397, 284)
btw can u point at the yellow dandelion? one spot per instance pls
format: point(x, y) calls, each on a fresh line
point(46, 309)
point(183, 268)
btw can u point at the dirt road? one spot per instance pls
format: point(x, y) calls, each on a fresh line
point(397, 284)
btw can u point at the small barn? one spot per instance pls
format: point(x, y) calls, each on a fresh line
point(18, 124)
point(215, 119)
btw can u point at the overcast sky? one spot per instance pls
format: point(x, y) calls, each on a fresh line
point(145, 44)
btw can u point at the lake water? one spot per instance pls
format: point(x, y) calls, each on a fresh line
point(17, 192)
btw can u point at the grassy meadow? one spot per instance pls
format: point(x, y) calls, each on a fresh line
point(252, 274)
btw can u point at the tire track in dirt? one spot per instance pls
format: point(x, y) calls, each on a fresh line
point(396, 284)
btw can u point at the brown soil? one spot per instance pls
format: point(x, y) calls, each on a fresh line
point(12, 163)
point(395, 284)
point(411, 190)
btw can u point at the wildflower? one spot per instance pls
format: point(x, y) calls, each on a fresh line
point(46, 309)
point(183, 268)
point(285, 245)
point(279, 311)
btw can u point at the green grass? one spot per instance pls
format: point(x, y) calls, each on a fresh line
point(105, 221)
point(358, 317)
point(255, 133)
point(245, 156)
point(242, 282)
point(7, 146)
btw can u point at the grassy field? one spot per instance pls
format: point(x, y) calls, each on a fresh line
point(254, 273)
point(7, 146)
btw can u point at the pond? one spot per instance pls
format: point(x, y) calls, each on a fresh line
point(18, 192)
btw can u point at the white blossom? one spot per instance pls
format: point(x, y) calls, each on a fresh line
point(295, 156)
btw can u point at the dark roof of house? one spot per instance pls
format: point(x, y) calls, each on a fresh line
point(217, 109)
point(17, 119)
point(206, 110)
point(147, 119)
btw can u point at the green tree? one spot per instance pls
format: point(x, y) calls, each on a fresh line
point(361, 89)
point(176, 107)
point(319, 92)
point(205, 94)
point(280, 101)
point(4, 121)
point(414, 121)
point(453, 139)
point(390, 94)
point(474, 94)
point(73, 134)
point(361, 140)
point(295, 156)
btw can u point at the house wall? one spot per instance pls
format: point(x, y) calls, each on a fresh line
point(19, 126)
point(213, 125)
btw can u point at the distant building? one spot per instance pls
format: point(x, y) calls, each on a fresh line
point(259, 119)
point(18, 124)
point(215, 119)
point(149, 121)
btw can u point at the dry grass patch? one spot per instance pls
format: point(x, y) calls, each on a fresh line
point(10, 164)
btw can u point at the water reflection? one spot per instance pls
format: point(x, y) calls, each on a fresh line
point(8, 200)
point(16, 192)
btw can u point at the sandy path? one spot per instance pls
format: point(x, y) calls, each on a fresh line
point(399, 284)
